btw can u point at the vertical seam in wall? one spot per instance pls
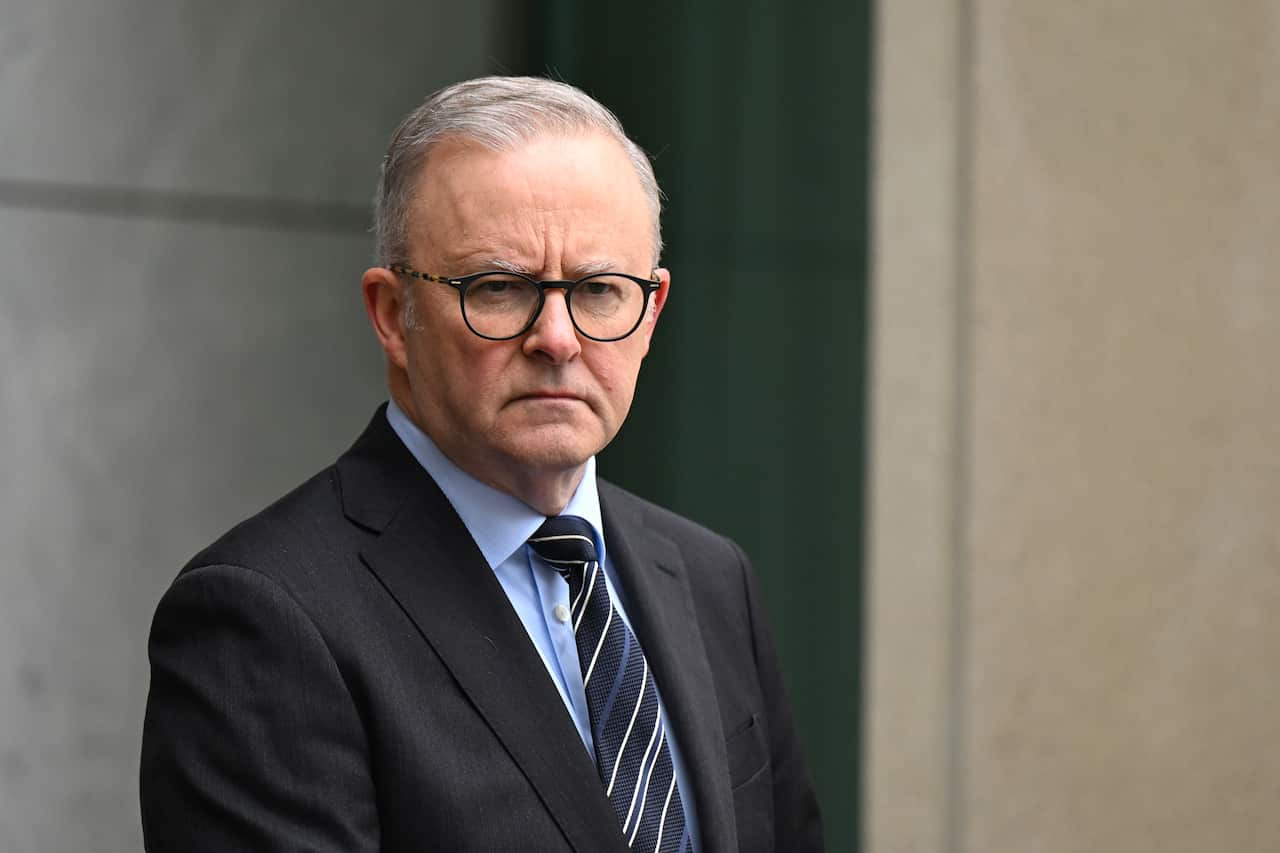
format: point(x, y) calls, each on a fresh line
point(958, 653)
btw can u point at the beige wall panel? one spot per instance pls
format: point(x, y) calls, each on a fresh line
point(1123, 538)
point(911, 554)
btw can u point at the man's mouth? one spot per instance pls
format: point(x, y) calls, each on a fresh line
point(550, 395)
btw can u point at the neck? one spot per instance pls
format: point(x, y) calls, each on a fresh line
point(548, 494)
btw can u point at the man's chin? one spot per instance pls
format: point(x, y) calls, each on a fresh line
point(552, 448)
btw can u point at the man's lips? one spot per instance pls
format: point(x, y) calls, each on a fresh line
point(550, 395)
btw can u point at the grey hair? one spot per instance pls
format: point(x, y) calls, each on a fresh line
point(499, 113)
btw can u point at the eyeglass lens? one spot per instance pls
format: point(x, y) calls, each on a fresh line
point(603, 306)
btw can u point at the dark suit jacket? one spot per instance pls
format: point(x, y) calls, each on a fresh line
point(343, 672)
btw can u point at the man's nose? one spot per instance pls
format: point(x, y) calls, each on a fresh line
point(553, 336)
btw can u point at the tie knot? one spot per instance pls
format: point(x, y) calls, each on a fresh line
point(565, 541)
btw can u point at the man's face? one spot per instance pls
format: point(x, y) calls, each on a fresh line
point(560, 207)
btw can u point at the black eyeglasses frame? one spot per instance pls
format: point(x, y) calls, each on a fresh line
point(460, 284)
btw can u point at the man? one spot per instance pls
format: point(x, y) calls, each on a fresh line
point(457, 638)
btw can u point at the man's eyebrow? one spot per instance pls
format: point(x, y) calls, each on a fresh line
point(594, 268)
point(506, 266)
point(481, 263)
point(582, 270)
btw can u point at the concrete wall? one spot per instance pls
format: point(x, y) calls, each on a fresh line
point(183, 196)
point(1075, 547)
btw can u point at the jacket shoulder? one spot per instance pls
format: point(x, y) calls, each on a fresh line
point(659, 518)
point(297, 528)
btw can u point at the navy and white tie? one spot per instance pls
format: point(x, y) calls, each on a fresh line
point(627, 725)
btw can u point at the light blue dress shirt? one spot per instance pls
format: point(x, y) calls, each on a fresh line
point(501, 526)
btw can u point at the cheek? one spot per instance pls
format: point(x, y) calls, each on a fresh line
point(477, 375)
point(617, 374)
point(441, 368)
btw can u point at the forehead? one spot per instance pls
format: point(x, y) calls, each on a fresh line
point(554, 202)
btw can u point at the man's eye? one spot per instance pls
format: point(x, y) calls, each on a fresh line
point(498, 286)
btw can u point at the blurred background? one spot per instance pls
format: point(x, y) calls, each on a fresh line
point(972, 345)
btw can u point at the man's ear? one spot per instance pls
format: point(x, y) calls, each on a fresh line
point(383, 302)
point(659, 298)
point(656, 303)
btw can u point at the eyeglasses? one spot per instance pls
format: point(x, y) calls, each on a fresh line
point(500, 306)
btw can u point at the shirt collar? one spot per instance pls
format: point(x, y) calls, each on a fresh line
point(498, 522)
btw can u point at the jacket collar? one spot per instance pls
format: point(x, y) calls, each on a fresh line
point(654, 577)
point(428, 562)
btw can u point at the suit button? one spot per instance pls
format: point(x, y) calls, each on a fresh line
point(561, 613)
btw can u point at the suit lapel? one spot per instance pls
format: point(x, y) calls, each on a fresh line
point(428, 562)
point(660, 607)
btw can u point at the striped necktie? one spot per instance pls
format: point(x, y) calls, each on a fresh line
point(627, 726)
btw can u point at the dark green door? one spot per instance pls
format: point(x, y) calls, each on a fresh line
point(749, 417)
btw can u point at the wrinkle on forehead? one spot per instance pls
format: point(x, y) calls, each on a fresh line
point(543, 211)
point(565, 242)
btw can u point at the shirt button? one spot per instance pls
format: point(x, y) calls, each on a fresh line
point(561, 613)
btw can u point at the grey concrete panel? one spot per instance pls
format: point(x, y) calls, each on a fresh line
point(159, 382)
point(292, 99)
